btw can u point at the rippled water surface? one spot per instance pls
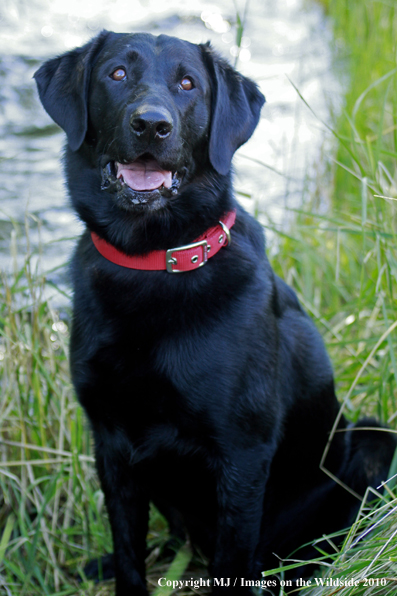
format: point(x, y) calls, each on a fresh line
point(284, 41)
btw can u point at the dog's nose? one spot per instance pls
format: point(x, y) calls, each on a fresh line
point(151, 122)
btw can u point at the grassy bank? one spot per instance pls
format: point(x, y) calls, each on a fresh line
point(343, 265)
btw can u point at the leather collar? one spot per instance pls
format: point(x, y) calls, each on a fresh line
point(174, 260)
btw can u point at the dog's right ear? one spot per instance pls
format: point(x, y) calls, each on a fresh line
point(63, 84)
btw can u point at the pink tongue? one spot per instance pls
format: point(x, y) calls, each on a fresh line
point(144, 175)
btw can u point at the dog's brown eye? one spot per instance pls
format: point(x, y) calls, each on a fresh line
point(119, 74)
point(186, 84)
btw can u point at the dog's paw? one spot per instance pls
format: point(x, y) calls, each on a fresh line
point(369, 454)
point(100, 569)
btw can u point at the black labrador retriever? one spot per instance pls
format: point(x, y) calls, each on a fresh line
point(208, 389)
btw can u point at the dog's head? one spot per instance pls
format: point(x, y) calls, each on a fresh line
point(154, 109)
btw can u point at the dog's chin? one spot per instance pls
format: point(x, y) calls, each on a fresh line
point(134, 200)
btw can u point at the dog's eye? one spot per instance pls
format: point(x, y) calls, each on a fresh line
point(119, 74)
point(186, 84)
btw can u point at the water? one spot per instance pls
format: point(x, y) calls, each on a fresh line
point(284, 42)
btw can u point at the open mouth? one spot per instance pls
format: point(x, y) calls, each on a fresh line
point(140, 182)
point(144, 175)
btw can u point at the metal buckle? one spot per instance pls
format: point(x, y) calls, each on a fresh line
point(170, 260)
point(227, 232)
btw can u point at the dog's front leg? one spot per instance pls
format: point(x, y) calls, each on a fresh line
point(128, 508)
point(240, 495)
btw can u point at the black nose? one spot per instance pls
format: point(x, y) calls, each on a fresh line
point(153, 122)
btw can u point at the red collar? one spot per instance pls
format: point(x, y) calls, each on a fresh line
point(175, 260)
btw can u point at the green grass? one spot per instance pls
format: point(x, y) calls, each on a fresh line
point(339, 254)
point(342, 262)
point(50, 502)
point(365, 34)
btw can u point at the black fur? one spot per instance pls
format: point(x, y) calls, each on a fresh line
point(208, 392)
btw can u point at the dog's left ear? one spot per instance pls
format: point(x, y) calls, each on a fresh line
point(63, 84)
point(236, 105)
